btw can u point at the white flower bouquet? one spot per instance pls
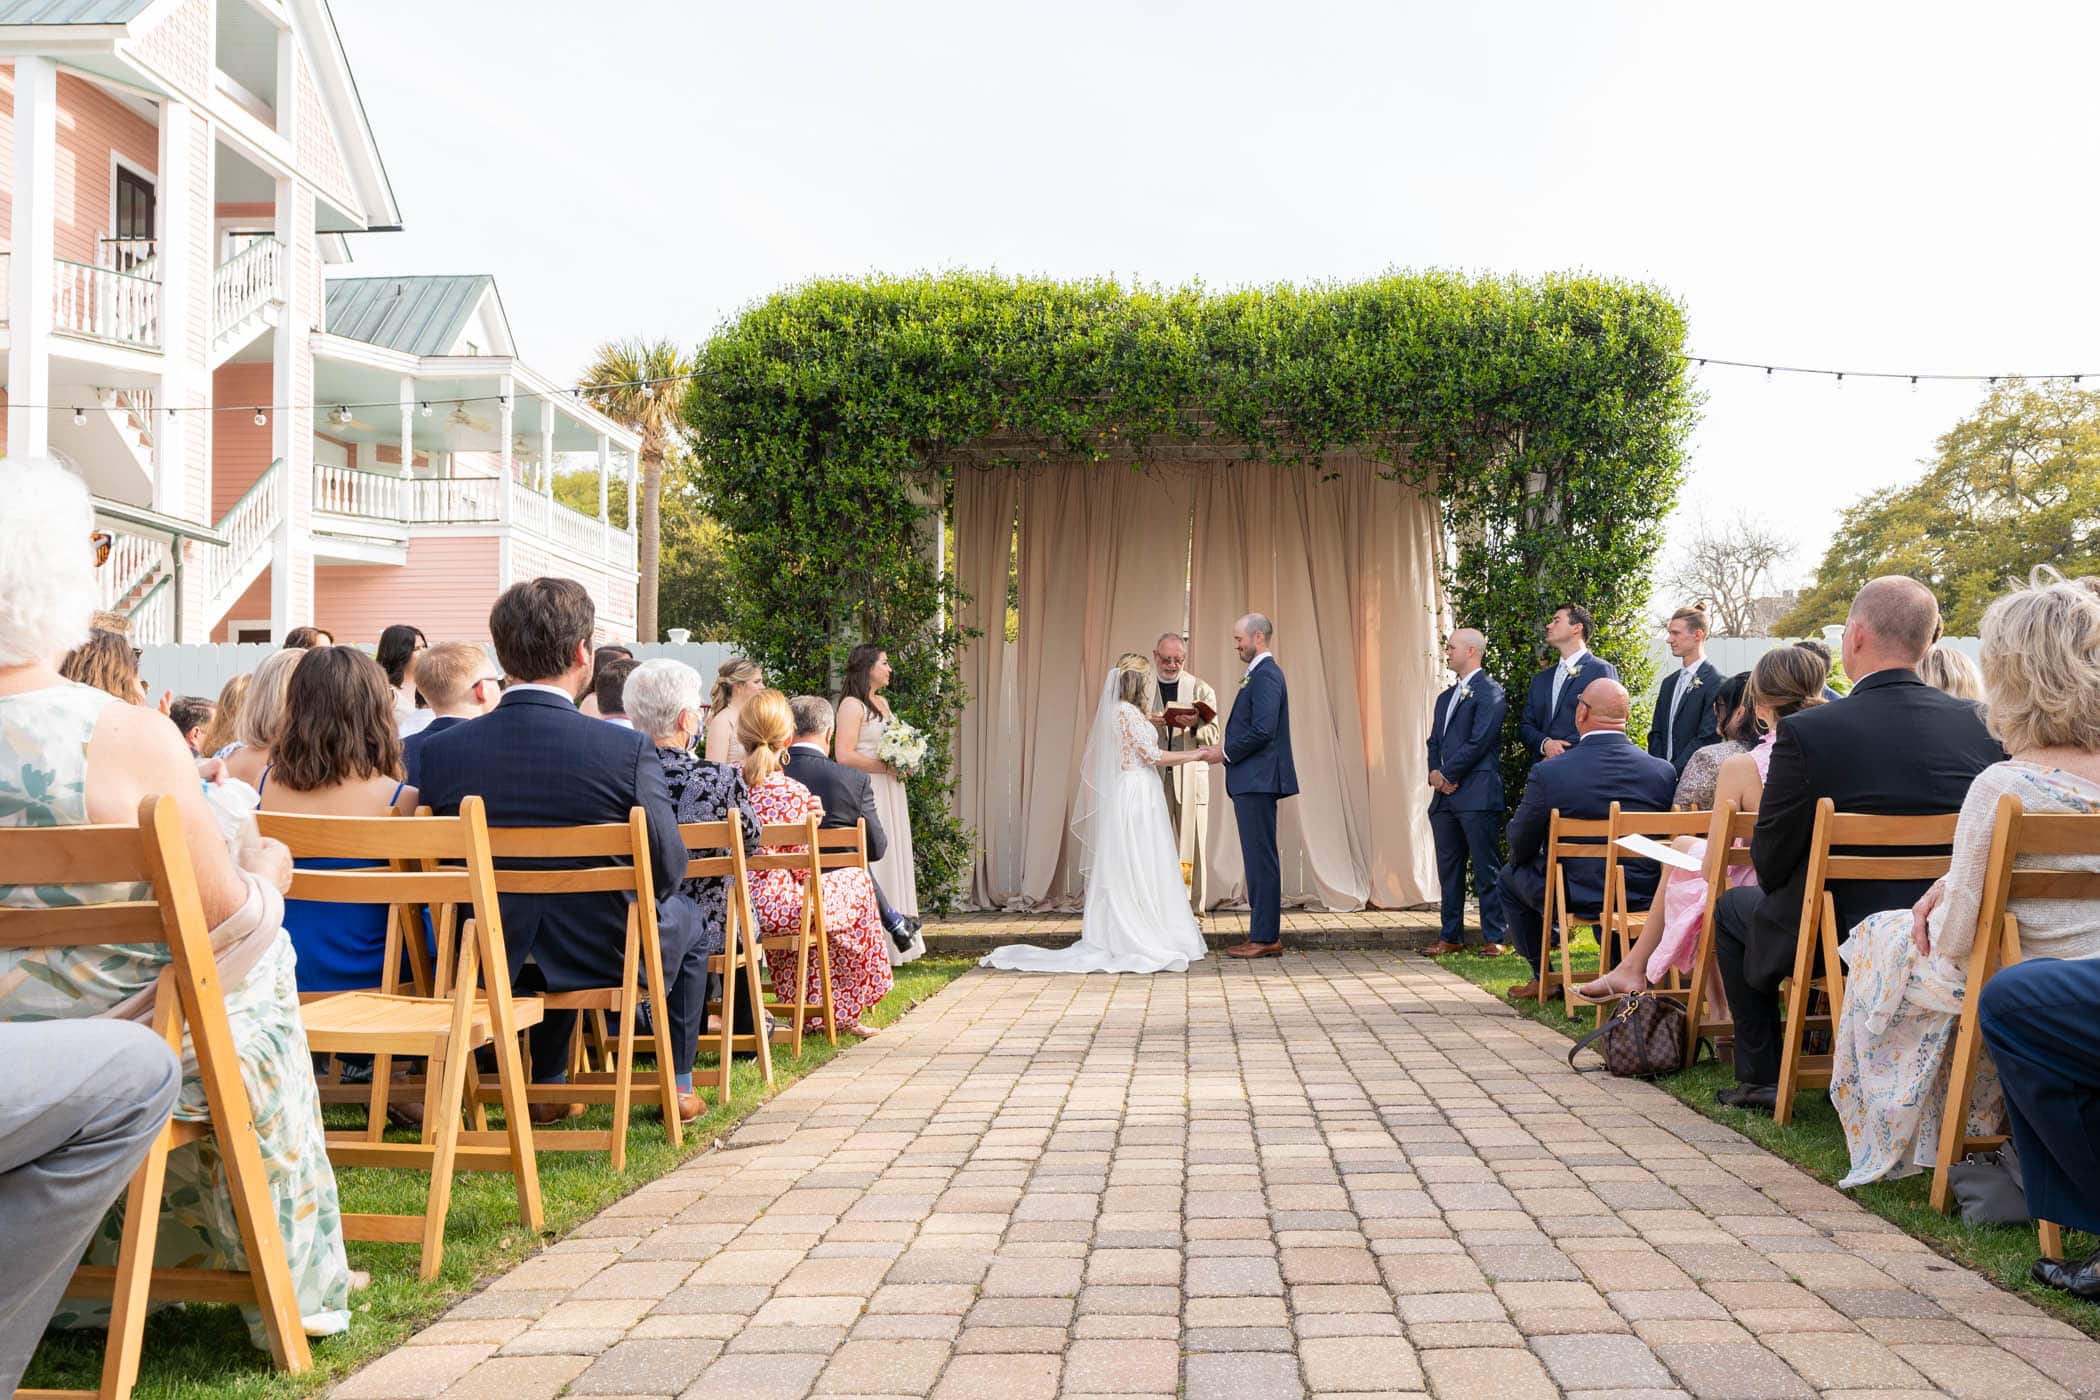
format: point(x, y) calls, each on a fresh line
point(903, 747)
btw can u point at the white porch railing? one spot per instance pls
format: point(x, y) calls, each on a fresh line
point(247, 527)
point(139, 403)
point(578, 532)
point(467, 500)
point(367, 495)
point(246, 282)
point(461, 500)
point(134, 560)
point(529, 510)
point(153, 620)
point(104, 304)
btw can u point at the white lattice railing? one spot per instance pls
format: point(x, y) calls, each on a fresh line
point(247, 527)
point(246, 282)
point(120, 307)
point(133, 562)
point(153, 620)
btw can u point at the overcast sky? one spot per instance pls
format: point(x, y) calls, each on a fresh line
point(1857, 186)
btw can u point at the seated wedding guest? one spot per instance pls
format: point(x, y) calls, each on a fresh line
point(1735, 731)
point(304, 638)
point(192, 715)
point(848, 796)
point(736, 681)
point(336, 756)
point(459, 683)
point(399, 646)
point(536, 762)
point(2038, 1024)
point(1467, 802)
point(1683, 724)
point(860, 963)
point(71, 755)
point(1894, 747)
point(1954, 672)
point(608, 690)
point(1821, 649)
point(80, 1106)
point(1603, 767)
point(1908, 968)
point(1785, 683)
point(1547, 724)
point(107, 662)
point(218, 736)
point(262, 715)
point(663, 697)
point(610, 652)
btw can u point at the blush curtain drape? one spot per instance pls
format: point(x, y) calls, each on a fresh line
point(1344, 563)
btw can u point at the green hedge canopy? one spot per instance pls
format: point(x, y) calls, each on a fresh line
point(1549, 415)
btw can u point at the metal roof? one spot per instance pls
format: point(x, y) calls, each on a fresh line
point(416, 315)
point(70, 11)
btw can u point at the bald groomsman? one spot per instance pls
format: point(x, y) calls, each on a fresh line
point(1187, 784)
point(1465, 812)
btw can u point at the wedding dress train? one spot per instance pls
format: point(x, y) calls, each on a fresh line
point(1137, 915)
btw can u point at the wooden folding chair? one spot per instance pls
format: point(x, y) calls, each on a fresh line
point(723, 844)
point(2017, 836)
point(445, 1029)
point(1623, 924)
point(795, 846)
point(1727, 848)
point(624, 849)
point(1568, 838)
point(1855, 833)
point(188, 1002)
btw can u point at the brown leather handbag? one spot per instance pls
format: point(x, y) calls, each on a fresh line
point(1641, 1039)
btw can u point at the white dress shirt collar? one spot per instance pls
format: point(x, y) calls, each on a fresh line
point(1264, 656)
point(539, 685)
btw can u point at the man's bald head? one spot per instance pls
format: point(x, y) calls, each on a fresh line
point(1604, 705)
point(1463, 652)
point(1894, 621)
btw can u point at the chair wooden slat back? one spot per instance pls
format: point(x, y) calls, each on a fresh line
point(2017, 837)
point(843, 847)
point(1567, 838)
point(189, 1002)
point(1844, 846)
point(807, 944)
point(1728, 838)
point(739, 959)
point(1623, 924)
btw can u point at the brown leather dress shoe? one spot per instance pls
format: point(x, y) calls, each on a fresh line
point(1494, 950)
point(1256, 950)
point(1527, 992)
point(1443, 950)
point(691, 1106)
point(543, 1114)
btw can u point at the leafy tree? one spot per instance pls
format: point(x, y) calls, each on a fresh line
point(639, 383)
point(693, 578)
point(2013, 485)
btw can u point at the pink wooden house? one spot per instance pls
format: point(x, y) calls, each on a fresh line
point(270, 445)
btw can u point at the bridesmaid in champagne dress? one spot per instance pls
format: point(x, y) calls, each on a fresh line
point(863, 716)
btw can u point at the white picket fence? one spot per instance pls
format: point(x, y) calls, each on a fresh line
point(203, 670)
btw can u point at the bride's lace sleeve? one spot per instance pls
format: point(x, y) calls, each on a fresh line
point(1140, 748)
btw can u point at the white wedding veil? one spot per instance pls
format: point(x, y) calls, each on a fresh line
point(1099, 764)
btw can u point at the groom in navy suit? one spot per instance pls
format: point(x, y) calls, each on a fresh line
point(1548, 722)
point(1465, 815)
point(1258, 775)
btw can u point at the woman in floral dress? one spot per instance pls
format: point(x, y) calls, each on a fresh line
point(860, 963)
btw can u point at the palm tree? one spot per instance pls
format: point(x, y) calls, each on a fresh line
point(641, 384)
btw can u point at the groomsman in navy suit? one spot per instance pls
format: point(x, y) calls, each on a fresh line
point(1684, 719)
point(1465, 815)
point(1259, 773)
point(1547, 725)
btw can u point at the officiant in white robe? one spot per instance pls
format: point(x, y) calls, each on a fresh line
point(1187, 785)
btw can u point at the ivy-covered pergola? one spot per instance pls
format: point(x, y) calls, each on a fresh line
point(1547, 417)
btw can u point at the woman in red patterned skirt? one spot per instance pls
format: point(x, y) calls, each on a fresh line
point(860, 963)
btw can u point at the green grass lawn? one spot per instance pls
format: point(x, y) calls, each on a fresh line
point(199, 1350)
point(1815, 1142)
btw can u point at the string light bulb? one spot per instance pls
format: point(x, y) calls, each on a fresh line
point(340, 413)
point(79, 418)
point(262, 419)
point(424, 410)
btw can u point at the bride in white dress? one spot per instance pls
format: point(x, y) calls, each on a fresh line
point(1137, 908)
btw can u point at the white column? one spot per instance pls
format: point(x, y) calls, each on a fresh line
point(547, 448)
point(504, 408)
point(604, 472)
point(633, 478)
point(288, 86)
point(179, 331)
point(408, 426)
point(31, 277)
point(292, 421)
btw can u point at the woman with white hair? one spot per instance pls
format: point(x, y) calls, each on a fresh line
point(71, 755)
point(1909, 967)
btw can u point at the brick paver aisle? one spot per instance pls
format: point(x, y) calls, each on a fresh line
point(1330, 1174)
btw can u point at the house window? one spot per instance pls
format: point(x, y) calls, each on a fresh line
point(133, 219)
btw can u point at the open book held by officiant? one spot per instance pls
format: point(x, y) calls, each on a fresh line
point(1188, 716)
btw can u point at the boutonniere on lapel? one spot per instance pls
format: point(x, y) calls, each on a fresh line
point(1465, 692)
point(1573, 666)
point(1695, 681)
point(1245, 678)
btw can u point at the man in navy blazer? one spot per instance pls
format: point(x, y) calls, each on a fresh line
point(1547, 725)
point(1465, 814)
point(536, 761)
point(1259, 773)
point(1684, 719)
point(1603, 767)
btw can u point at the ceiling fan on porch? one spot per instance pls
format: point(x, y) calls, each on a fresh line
point(460, 418)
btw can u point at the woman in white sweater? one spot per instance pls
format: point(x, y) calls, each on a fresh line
point(1908, 969)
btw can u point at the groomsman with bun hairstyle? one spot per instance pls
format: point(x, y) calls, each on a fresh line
point(1547, 725)
point(1465, 778)
point(1684, 719)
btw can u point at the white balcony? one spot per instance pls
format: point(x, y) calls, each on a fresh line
point(392, 505)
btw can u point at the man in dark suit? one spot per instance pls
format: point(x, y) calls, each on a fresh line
point(459, 683)
point(1895, 747)
point(1603, 767)
point(1465, 814)
point(2037, 1017)
point(848, 795)
point(1547, 725)
point(536, 762)
point(1685, 721)
point(1259, 773)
